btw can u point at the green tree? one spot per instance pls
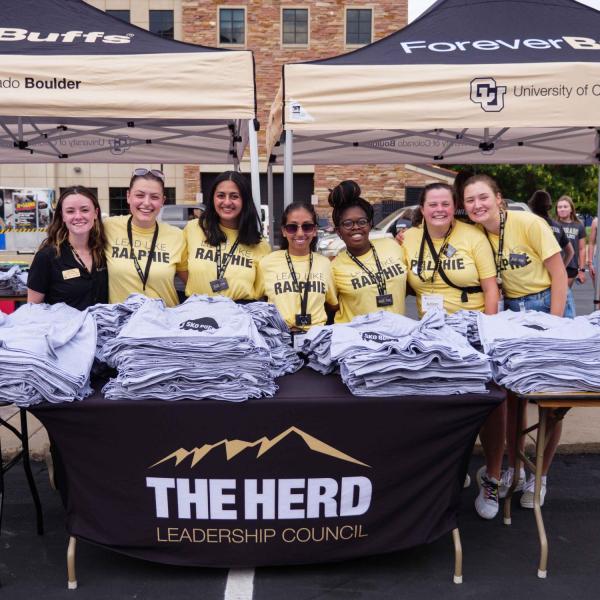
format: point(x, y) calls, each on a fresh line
point(518, 182)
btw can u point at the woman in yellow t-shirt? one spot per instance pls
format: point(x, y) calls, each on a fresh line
point(533, 276)
point(142, 255)
point(297, 279)
point(225, 243)
point(369, 275)
point(450, 263)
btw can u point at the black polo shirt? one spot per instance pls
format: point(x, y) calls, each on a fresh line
point(62, 279)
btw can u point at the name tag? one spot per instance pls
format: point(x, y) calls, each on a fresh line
point(303, 320)
point(384, 300)
point(517, 260)
point(218, 285)
point(71, 274)
point(450, 251)
point(432, 302)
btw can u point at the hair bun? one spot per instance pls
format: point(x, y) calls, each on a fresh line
point(344, 193)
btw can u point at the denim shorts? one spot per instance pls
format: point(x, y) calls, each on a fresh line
point(540, 302)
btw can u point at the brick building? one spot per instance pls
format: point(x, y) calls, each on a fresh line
point(277, 32)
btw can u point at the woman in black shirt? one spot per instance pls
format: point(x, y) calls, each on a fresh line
point(69, 265)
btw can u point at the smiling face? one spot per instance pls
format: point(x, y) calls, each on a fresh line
point(563, 210)
point(228, 204)
point(354, 230)
point(78, 214)
point(145, 198)
point(481, 204)
point(299, 241)
point(438, 209)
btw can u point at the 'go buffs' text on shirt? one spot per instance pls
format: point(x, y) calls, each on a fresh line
point(357, 294)
point(529, 240)
point(202, 265)
point(169, 256)
point(274, 281)
point(471, 260)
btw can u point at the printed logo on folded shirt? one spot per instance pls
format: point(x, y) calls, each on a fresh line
point(373, 336)
point(264, 444)
point(534, 326)
point(488, 94)
point(201, 324)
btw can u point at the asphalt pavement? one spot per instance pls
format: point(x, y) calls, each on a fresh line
point(499, 561)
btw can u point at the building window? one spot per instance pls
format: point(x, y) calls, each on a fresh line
point(170, 196)
point(161, 23)
point(359, 25)
point(232, 26)
point(122, 15)
point(117, 201)
point(294, 26)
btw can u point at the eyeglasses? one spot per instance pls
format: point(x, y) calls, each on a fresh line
point(291, 228)
point(141, 172)
point(349, 223)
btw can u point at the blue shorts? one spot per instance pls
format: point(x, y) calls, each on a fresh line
point(540, 302)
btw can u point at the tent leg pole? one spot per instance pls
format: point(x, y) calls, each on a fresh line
point(597, 256)
point(288, 169)
point(254, 166)
point(270, 204)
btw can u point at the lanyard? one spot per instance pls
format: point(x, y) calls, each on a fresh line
point(500, 255)
point(223, 262)
point(303, 294)
point(376, 278)
point(79, 260)
point(437, 257)
point(143, 275)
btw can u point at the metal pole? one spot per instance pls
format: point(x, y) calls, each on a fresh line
point(254, 167)
point(288, 169)
point(270, 204)
point(597, 256)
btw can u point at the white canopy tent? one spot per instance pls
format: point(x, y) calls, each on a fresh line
point(494, 81)
point(77, 85)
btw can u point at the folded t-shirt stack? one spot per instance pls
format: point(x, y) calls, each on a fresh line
point(46, 353)
point(536, 352)
point(465, 323)
point(207, 347)
point(13, 280)
point(384, 354)
point(276, 333)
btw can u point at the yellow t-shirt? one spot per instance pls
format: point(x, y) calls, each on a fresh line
point(274, 280)
point(472, 261)
point(123, 278)
point(357, 294)
point(202, 266)
point(528, 242)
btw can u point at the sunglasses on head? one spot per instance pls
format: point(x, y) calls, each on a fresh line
point(291, 228)
point(141, 172)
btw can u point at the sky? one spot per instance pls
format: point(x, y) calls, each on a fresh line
point(416, 7)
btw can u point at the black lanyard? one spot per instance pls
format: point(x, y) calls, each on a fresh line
point(500, 255)
point(303, 293)
point(437, 257)
point(376, 278)
point(79, 260)
point(223, 261)
point(143, 275)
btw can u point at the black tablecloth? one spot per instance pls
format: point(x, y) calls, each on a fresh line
point(311, 475)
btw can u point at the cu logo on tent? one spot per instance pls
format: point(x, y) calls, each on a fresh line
point(120, 144)
point(488, 94)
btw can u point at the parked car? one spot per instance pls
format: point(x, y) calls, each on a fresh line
point(331, 245)
point(179, 214)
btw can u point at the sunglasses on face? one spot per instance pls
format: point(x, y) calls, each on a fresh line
point(141, 172)
point(349, 223)
point(291, 228)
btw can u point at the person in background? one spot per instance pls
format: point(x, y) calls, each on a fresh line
point(143, 256)
point(451, 267)
point(296, 279)
point(369, 275)
point(530, 269)
point(540, 204)
point(575, 231)
point(225, 243)
point(70, 265)
point(591, 252)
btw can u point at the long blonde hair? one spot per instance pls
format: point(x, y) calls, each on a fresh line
point(573, 216)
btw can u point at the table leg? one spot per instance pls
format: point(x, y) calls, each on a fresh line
point(519, 434)
point(71, 576)
point(537, 509)
point(29, 474)
point(458, 578)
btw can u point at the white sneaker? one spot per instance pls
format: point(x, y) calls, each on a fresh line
point(506, 478)
point(528, 493)
point(467, 482)
point(486, 503)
